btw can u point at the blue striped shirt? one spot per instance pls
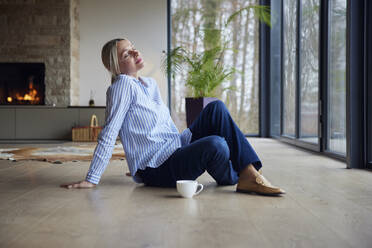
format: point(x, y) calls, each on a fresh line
point(136, 112)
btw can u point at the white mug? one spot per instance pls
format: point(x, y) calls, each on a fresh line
point(189, 188)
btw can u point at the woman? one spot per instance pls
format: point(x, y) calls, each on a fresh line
point(157, 154)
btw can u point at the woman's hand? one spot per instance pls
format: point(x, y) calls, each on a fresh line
point(78, 185)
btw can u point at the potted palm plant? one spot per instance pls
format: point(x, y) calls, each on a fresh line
point(206, 72)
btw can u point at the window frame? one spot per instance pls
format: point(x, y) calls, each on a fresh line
point(368, 84)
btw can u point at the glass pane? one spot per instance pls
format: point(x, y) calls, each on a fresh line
point(242, 35)
point(289, 72)
point(275, 67)
point(309, 70)
point(337, 77)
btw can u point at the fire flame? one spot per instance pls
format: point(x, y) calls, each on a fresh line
point(21, 97)
point(31, 95)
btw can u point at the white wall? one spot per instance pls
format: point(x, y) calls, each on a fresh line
point(143, 22)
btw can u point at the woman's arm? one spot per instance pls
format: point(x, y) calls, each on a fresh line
point(118, 100)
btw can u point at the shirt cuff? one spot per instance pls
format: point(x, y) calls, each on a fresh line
point(92, 178)
point(186, 136)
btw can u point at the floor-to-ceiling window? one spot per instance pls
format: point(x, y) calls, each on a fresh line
point(336, 133)
point(302, 111)
point(325, 75)
point(189, 18)
point(300, 70)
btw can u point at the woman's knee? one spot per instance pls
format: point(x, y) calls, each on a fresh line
point(218, 145)
point(217, 107)
point(218, 104)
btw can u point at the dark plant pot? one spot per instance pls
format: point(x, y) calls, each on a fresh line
point(194, 106)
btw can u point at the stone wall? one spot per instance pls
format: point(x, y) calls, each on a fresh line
point(44, 31)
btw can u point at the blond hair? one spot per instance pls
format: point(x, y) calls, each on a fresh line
point(109, 57)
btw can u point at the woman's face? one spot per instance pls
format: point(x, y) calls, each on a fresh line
point(130, 61)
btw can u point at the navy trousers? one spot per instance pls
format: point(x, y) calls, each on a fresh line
point(217, 146)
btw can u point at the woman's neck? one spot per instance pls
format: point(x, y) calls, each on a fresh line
point(133, 75)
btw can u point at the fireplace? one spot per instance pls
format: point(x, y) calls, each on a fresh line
point(22, 83)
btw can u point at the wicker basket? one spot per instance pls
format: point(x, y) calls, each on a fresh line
point(87, 134)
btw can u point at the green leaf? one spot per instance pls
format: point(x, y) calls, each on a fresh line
point(261, 12)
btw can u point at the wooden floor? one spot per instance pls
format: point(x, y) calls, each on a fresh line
point(326, 205)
